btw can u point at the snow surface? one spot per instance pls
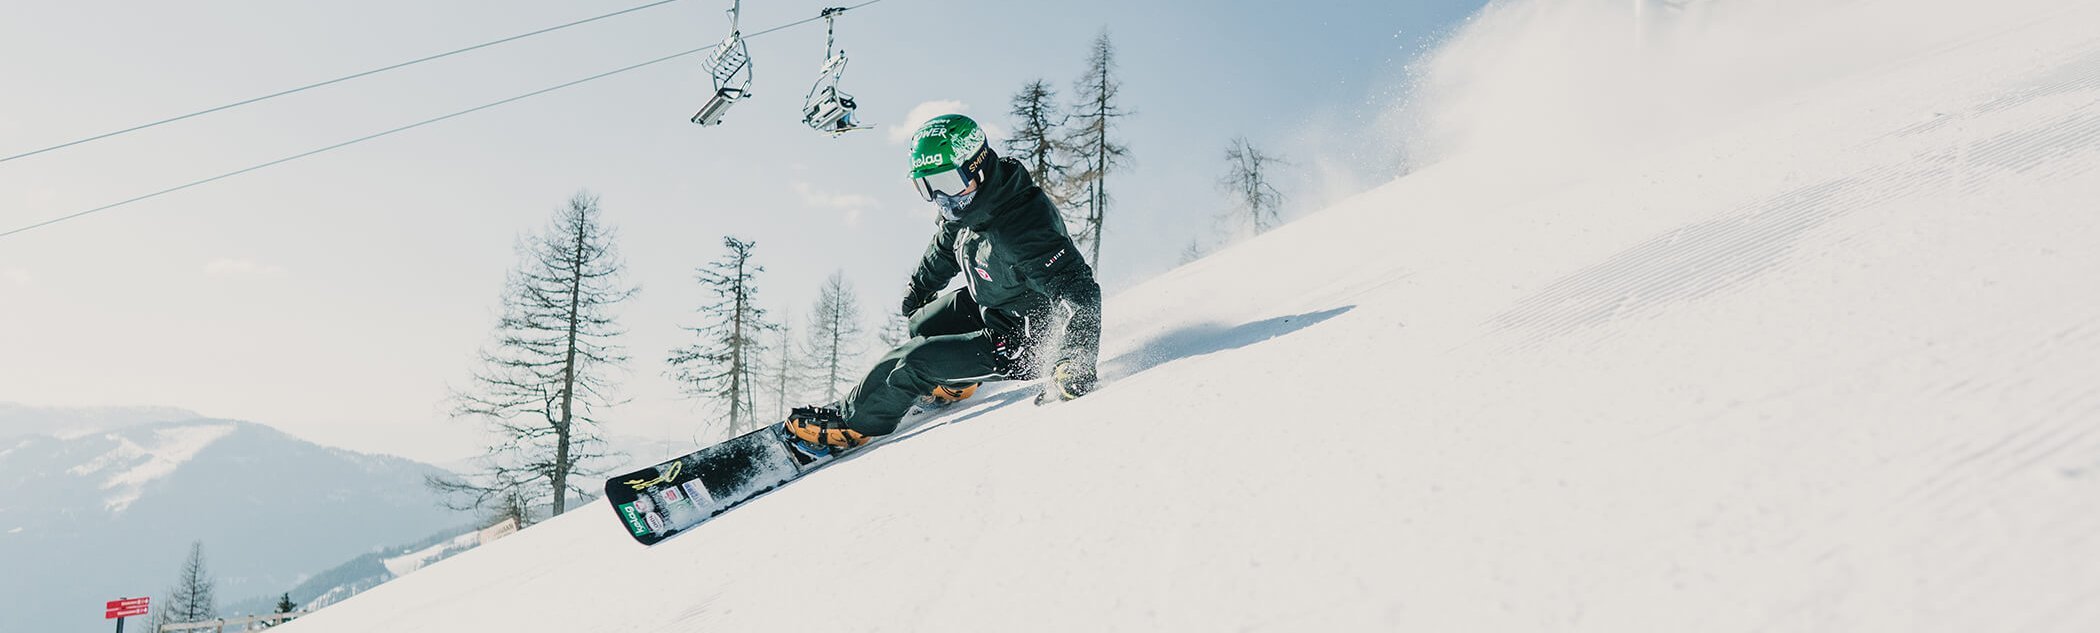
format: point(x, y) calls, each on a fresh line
point(1808, 342)
point(136, 465)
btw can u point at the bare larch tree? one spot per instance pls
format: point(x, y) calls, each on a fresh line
point(191, 599)
point(784, 370)
point(1194, 250)
point(834, 335)
point(1097, 155)
point(1247, 179)
point(895, 330)
point(1038, 143)
point(547, 369)
point(512, 504)
point(724, 364)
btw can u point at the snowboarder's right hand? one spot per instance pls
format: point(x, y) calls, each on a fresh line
point(1073, 378)
point(914, 298)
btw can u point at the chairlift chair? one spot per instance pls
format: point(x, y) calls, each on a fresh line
point(730, 68)
point(826, 109)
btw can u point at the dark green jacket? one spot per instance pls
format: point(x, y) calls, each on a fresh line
point(1011, 246)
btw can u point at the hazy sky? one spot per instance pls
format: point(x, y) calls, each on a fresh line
point(337, 297)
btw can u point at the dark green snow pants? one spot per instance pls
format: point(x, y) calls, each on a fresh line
point(950, 345)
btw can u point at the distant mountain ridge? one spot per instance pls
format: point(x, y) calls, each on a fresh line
point(101, 504)
point(21, 419)
point(364, 572)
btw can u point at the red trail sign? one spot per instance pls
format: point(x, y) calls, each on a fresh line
point(124, 608)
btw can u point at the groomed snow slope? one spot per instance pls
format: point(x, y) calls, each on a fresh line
point(1826, 359)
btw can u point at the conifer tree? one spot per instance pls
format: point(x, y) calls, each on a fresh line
point(546, 372)
point(1091, 140)
point(1038, 142)
point(284, 605)
point(834, 336)
point(724, 364)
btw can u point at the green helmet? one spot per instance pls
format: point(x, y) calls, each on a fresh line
point(948, 142)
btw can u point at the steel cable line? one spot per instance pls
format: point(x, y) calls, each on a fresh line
point(337, 80)
point(405, 128)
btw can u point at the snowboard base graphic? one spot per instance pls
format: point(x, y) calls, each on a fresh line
point(662, 500)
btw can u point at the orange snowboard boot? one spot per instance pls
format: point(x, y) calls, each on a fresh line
point(944, 395)
point(822, 427)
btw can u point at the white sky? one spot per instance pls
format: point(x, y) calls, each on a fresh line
point(336, 297)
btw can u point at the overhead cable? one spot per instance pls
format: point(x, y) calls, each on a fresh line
point(403, 128)
point(337, 80)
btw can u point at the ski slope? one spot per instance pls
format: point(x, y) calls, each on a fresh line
point(1788, 321)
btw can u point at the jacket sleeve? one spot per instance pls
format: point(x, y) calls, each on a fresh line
point(1052, 265)
point(937, 267)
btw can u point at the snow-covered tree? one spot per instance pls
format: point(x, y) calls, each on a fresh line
point(1090, 139)
point(1038, 142)
point(1247, 179)
point(547, 370)
point(724, 364)
point(833, 341)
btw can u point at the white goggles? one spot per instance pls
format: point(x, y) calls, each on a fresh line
point(947, 183)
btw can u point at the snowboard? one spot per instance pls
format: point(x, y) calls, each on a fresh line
point(674, 496)
point(660, 501)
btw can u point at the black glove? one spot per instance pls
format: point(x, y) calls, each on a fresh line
point(914, 298)
point(1072, 379)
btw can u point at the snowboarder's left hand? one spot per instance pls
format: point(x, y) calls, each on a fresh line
point(915, 299)
point(1073, 378)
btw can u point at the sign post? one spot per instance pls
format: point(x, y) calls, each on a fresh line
point(123, 608)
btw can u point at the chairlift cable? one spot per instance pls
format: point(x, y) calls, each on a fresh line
point(337, 80)
point(403, 128)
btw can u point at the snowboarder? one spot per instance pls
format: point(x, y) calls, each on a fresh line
point(1023, 273)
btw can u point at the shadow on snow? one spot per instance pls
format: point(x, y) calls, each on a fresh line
point(1208, 338)
point(1187, 342)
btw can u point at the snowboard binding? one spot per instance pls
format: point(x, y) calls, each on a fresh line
point(818, 431)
